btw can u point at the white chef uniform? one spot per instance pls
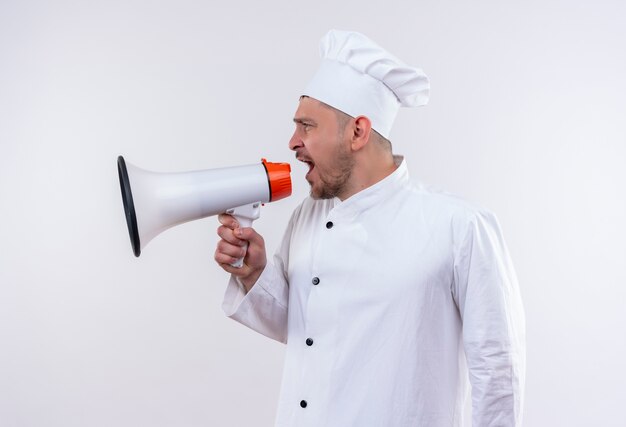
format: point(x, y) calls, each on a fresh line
point(381, 300)
point(387, 298)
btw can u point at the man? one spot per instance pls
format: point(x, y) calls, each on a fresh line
point(385, 293)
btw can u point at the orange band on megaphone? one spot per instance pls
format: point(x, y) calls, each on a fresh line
point(278, 175)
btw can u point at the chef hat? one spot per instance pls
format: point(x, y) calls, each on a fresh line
point(359, 77)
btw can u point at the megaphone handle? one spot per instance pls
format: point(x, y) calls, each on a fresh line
point(243, 222)
point(245, 215)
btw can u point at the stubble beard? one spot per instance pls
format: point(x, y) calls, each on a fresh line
point(334, 182)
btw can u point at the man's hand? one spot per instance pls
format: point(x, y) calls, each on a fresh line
point(232, 246)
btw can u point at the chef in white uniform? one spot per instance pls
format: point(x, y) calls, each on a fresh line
point(387, 294)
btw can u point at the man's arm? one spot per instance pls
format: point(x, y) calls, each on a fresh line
point(487, 294)
point(258, 292)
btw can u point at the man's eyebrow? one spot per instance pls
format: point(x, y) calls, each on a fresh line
point(304, 120)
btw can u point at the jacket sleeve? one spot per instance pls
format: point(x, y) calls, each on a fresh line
point(487, 294)
point(264, 308)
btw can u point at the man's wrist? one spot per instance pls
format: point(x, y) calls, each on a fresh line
point(249, 281)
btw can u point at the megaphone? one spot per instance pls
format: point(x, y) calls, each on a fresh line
point(154, 202)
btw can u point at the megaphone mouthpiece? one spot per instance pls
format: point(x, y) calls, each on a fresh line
point(278, 175)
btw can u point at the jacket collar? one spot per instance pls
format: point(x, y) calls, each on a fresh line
point(374, 194)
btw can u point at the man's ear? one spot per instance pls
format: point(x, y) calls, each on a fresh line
point(361, 131)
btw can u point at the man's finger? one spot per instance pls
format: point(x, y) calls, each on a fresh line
point(225, 261)
point(250, 235)
point(228, 221)
point(236, 271)
point(226, 248)
point(228, 235)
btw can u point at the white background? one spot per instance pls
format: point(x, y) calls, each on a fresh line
point(527, 117)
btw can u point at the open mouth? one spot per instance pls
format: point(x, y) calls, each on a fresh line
point(309, 163)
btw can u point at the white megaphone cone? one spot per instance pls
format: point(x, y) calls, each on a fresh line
point(154, 202)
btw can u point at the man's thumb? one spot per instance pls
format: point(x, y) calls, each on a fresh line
point(249, 234)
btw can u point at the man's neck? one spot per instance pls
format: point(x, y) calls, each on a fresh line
point(365, 174)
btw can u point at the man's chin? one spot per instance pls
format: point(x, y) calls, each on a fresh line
point(320, 192)
point(317, 194)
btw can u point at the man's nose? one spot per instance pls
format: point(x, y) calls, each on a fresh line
point(295, 142)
